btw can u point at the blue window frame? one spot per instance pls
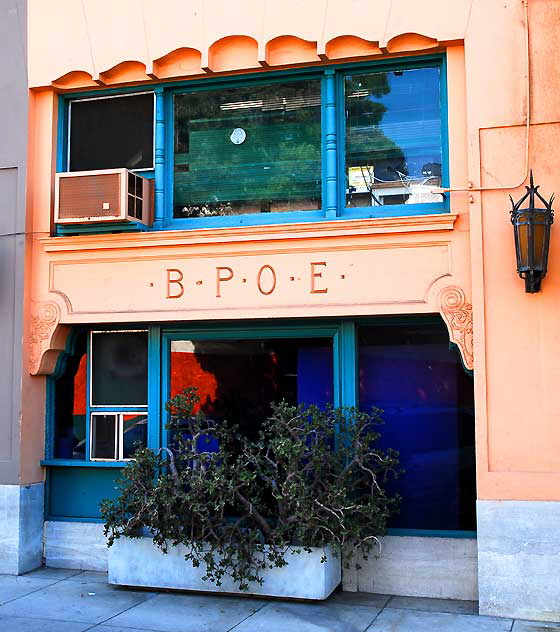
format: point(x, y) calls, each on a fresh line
point(334, 141)
point(404, 365)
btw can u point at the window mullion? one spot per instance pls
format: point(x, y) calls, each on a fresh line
point(120, 436)
point(348, 365)
point(330, 162)
point(159, 159)
point(154, 388)
point(88, 398)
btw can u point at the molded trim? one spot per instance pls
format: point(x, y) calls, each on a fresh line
point(289, 232)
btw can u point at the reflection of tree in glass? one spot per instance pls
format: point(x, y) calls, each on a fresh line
point(366, 144)
point(280, 160)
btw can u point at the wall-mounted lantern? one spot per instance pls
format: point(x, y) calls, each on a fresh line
point(531, 226)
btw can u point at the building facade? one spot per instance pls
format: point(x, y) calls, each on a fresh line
point(329, 224)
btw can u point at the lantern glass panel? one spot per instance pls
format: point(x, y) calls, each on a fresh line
point(539, 236)
point(522, 231)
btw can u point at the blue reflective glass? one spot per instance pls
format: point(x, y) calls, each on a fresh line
point(393, 137)
point(411, 373)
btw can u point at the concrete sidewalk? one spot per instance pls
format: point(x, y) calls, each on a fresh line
point(56, 600)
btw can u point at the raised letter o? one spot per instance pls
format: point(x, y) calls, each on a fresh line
point(273, 278)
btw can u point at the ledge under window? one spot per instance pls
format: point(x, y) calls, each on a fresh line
point(282, 232)
point(76, 463)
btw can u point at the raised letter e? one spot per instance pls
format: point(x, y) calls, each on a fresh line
point(317, 275)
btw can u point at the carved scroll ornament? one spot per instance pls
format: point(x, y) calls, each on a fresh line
point(46, 337)
point(457, 314)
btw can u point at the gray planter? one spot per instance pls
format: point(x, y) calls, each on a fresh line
point(138, 562)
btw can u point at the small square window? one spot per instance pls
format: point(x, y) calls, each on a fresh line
point(112, 132)
point(119, 368)
point(104, 437)
point(134, 432)
point(116, 436)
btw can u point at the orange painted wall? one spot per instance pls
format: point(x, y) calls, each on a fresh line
point(516, 342)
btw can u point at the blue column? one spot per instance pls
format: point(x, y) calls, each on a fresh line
point(330, 162)
point(345, 368)
point(154, 388)
point(349, 361)
point(159, 166)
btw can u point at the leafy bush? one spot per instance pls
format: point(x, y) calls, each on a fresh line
point(313, 478)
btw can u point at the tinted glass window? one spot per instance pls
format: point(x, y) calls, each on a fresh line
point(393, 137)
point(237, 379)
point(248, 150)
point(135, 430)
point(119, 368)
point(70, 405)
point(412, 374)
point(112, 133)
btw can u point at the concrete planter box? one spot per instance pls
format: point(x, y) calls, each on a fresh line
point(139, 562)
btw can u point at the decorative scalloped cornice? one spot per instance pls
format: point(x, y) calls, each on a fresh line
point(242, 53)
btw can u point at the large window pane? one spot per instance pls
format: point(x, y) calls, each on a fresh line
point(411, 373)
point(70, 405)
point(393, 137)
point(119, 368)
point(248, 150)
point(238, 379)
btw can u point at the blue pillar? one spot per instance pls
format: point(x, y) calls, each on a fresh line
point(159, 166)
point(154, 388)
point(330, 145)
point(349, 361)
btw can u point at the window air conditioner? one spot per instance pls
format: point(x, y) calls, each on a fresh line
point(108, 195)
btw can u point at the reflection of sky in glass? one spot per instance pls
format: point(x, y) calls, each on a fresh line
point(412, 119)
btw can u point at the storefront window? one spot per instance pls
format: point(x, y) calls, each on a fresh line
point(393, 137)
point(100, 413)
point(248, 150)
point(237, 380)
point(412, 374)
point(70, 405)
point(407, 368)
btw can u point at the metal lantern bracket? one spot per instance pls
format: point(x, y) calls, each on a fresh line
point(531, 227)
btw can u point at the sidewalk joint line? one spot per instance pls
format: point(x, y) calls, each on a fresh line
point(249, 616)
point(3, 603)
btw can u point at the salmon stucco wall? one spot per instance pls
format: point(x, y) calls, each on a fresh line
point(461, 265)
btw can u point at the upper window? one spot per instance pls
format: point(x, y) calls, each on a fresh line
point(348, 141)
point(393, 137)
point(112, 132)
point(248, 150)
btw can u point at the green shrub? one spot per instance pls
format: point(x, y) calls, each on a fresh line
point(313, 478)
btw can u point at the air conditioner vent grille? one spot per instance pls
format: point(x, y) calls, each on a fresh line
point(85, 196)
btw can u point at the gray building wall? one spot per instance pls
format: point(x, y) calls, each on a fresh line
point(13, 154)
point(21, 506)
